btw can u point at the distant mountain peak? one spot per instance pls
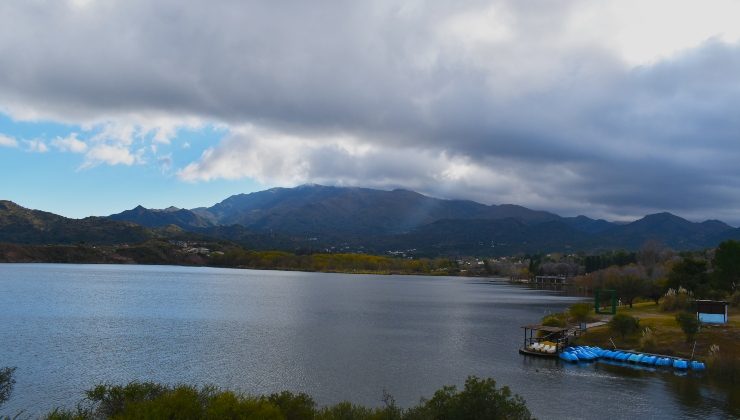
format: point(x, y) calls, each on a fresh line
point(155, 218)
point(664, 215)
point(661, 214)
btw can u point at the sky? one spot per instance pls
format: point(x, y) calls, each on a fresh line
point(612, 109)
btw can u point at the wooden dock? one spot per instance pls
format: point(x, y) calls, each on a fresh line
point(559, 336)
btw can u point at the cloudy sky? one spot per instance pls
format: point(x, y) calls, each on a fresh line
point(611, 109)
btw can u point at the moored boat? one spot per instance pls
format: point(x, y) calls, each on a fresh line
point(697, 365)
point(680, 364)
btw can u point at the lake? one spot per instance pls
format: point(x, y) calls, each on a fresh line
point(335, 336)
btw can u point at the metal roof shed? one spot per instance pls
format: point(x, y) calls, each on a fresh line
point(711, 311)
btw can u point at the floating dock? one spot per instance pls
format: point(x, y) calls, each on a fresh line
point(544, 341)
point(554, 342)
point(590, 353)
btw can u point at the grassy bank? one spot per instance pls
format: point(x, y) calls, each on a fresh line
point(659, 332)
point(665, 335)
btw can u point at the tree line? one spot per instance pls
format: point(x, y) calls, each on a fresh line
point(345, 263)
point(659, 273)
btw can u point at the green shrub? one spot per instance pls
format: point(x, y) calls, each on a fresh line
point(581, 312)
point(111, 399)
point(347, 411)
point(295, 407)
point(6, 383)
point(181, 403)
point(555, 320)
point(479, 399)
point(689, 324)
point(61, 414)
point(624, 325)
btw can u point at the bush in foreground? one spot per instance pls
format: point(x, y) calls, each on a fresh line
point(6, 383)
point(479, 399)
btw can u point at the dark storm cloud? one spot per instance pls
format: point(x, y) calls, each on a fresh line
point(559, 124)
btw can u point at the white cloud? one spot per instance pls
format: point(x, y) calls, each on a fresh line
point(254, 153)
point(69, 144)
point(36, 145)
point(275, 158)
point(643, 32)
point(108, 154)
point(6, 141)
point(490, 25)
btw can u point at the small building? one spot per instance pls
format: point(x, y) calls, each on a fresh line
point(711, 311)
point(550, 280)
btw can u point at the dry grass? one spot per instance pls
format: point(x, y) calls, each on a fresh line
point(668, 337)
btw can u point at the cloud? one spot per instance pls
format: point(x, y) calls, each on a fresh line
point(6, 141)
point(69, 144)
point(271, 157)
point(608, 108)
point(36, 146)
point(109, 154)
point(165, 163)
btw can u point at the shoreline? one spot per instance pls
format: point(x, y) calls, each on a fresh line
point(226, 256)
point(357, 272)
point(666, 336)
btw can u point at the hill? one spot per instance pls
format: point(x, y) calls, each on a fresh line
point(314, 218)
point(24, 226)
point(510, 236)
point(333, 211)
point(183, 218)
point(667, 228)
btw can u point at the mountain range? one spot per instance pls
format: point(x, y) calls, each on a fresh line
point(315, 217)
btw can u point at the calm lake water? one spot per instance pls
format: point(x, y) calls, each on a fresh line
point(334, 336)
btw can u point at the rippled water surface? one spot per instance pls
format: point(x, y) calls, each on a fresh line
point(337, 337)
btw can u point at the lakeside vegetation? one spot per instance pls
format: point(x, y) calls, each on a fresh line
point(647, 273)
point(479, 399)
point(646, 327)
point(658, 330)
point(656, 270)
point(658, 290)
point(225, 255)
point(345, 263)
